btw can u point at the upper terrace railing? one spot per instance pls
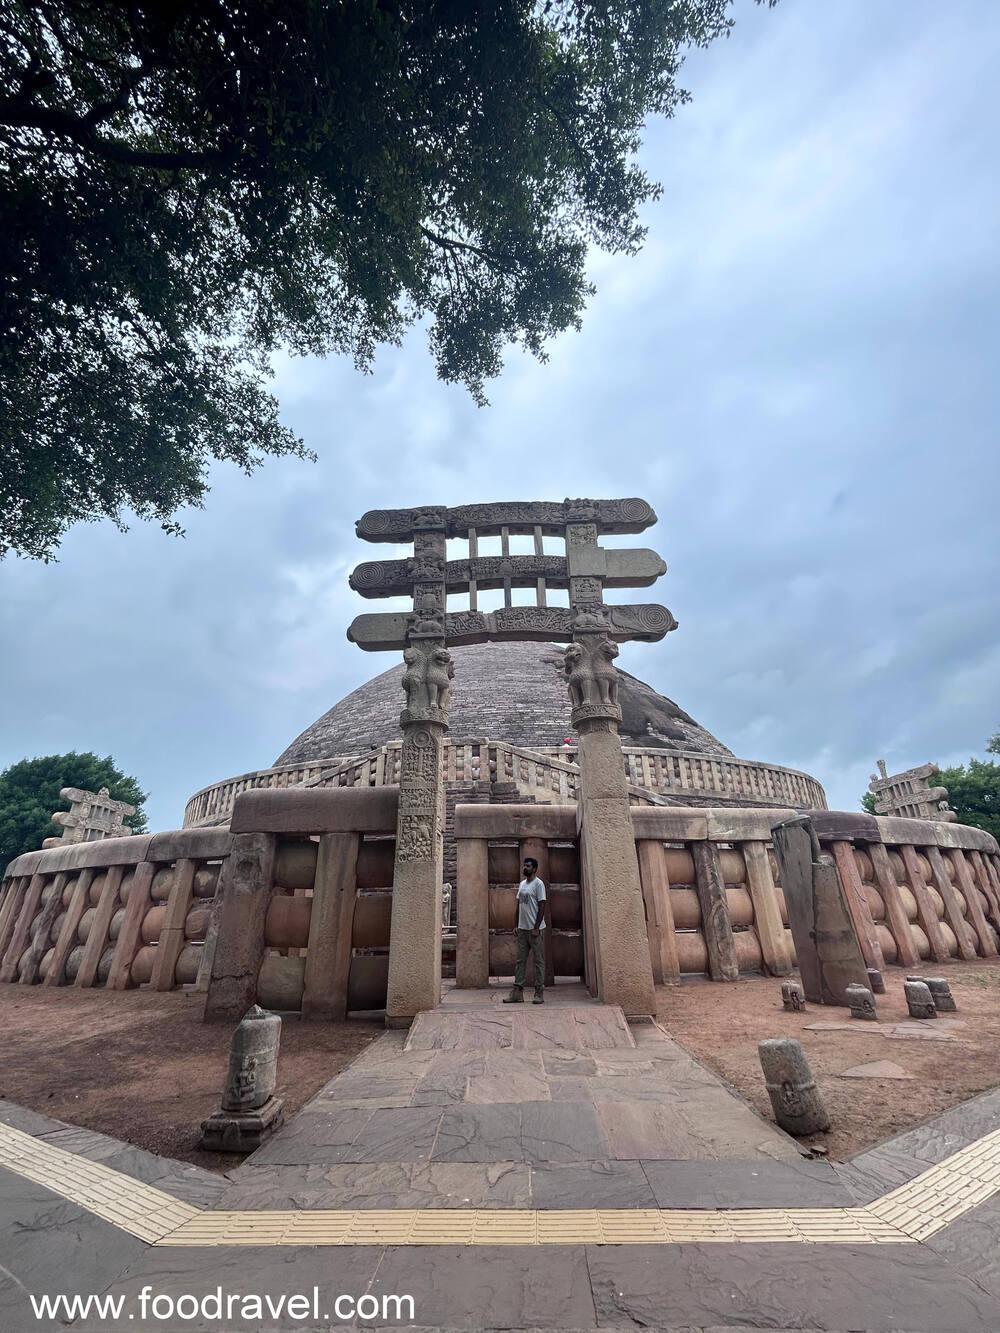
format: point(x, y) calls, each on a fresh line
point(550, 775)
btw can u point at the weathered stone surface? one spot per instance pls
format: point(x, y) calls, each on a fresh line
point(245, 888)
point(862, 1003)
point(250, 1112)
point(944, 1001)
point(795, 1099)
point(919, 999)
point(92, 815)
point(721, 1286)
point(827, 950)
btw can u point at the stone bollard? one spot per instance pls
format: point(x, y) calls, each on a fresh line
point(798, 1106)
point(919, 1000)
point(793, 997)
point(862, 1002)
point(876, 981)
point(944, 1001)
point(250, 1112)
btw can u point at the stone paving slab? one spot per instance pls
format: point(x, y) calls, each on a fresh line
point(753, 1184)
point(506, 1287)
point(870, 1174)
point(260, 1271)
point(382, 1185)
point(49, 1245)
point(180, 1179)
point(863, 1287)
point(478, 1086)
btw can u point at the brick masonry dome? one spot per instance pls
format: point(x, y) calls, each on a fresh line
point(513, 692)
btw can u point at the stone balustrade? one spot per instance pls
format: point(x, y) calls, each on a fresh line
point(550, 775)
point(292, 905)
point(917, 889)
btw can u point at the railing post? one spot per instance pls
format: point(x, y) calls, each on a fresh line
point(171, 940)
point(895, 912)
point(857, 903)
point(722, 962)
point(139, 899)
point(926, 914)
point(766, 913)
point(96, 940)
point(472, 954)
point(655, 880)
point(331, 926)
point(245, 888)
point(67, 936)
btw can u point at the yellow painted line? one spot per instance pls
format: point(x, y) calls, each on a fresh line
point(911, 1213)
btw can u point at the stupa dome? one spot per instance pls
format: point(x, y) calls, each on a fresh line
point(513, 692)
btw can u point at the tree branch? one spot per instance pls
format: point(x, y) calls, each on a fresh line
point(21, 115)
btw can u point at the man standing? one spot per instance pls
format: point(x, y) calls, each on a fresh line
point(531, 911)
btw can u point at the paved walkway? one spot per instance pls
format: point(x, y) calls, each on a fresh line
point(501, 1124)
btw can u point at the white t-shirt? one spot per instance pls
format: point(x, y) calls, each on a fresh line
point(530, 896)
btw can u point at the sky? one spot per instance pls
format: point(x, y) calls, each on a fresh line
point(798, 372)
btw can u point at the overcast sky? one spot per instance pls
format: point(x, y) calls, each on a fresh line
point(799, 372)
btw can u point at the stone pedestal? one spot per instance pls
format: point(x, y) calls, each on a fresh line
point(415, 936)
point(614, 905)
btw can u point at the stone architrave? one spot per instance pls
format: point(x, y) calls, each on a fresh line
point(612, 884)
point(909, 794)
point(827, 948)
point(613, 906)
point(92, 815)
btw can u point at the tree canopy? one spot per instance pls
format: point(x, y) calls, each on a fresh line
point(29, 794)
point(188, 186)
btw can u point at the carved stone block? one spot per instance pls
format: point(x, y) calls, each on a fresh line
point(862, 1002)
point(944, 1001)
point(793, 997)
point(795, 1099)
point(919, 1000)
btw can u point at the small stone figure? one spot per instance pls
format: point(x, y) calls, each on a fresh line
point(944, 1001)
point(795, 1099)
point(919, 1000)
point(862, 1002)
point(250, 1111)
point(793, 997)
point(876, 981)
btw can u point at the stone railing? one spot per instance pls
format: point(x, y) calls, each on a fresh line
point(492, 843)
point(917, 890)
point(154, 911)
point(119, 912)
point(655, 777)
point(292, 905)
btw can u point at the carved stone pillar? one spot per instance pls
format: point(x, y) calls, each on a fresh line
point(415, 936)
point(615, 912)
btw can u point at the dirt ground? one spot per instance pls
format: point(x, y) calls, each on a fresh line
point(143, 1067)
point(722, 1024)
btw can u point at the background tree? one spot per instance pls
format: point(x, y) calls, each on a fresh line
point(974, 793)
point(188, 186)
point(29, 793)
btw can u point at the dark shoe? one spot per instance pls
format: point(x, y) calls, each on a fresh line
point(539, 997)
point(515, 997)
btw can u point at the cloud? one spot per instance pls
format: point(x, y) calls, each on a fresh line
point(799, 371)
